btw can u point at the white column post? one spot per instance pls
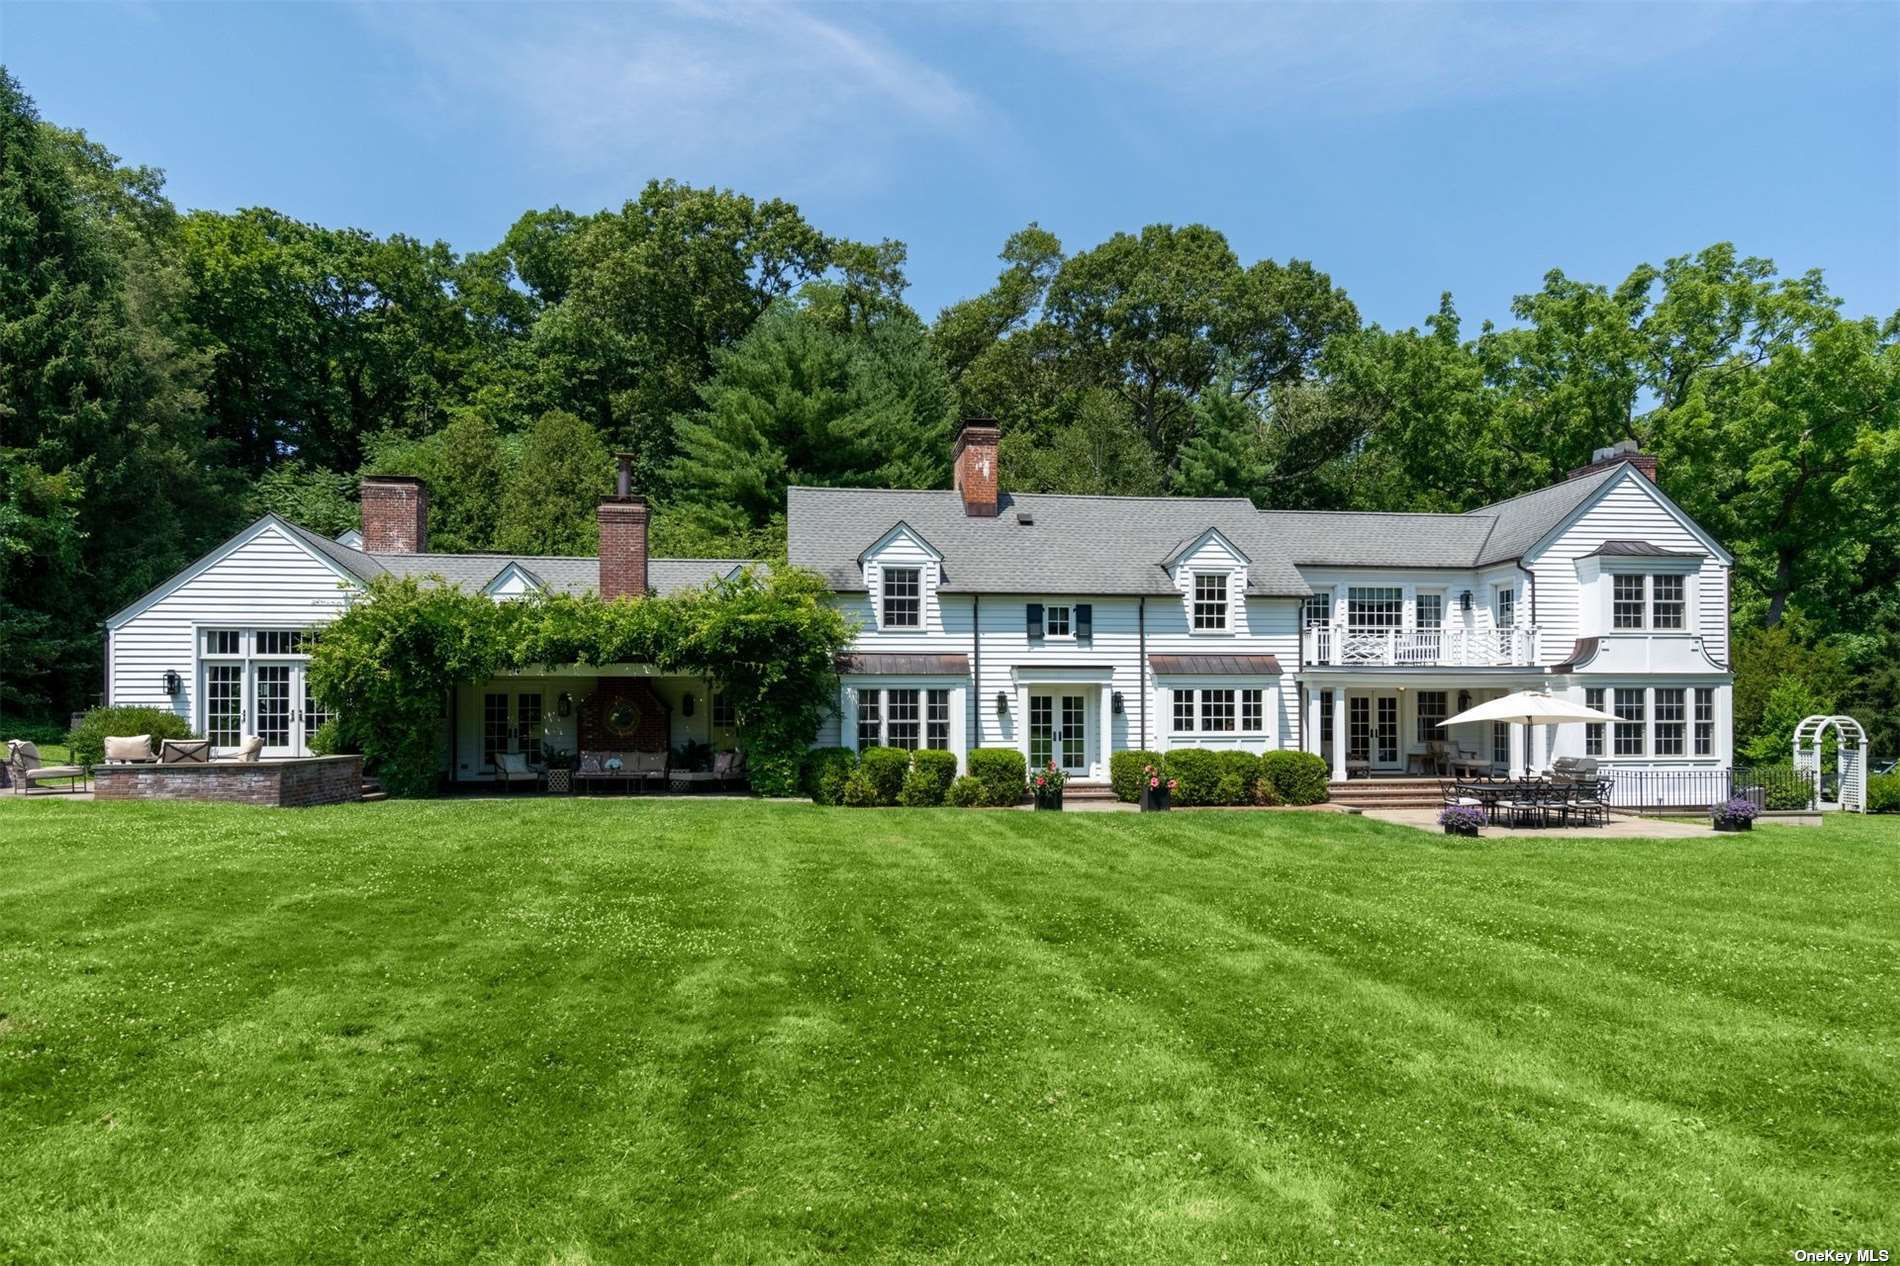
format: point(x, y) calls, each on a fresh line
point(1339, 735)
point(1108, 725)
point(1518, 754)
point(1313, 739)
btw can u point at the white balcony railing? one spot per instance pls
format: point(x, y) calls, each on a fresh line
point(1421, 648)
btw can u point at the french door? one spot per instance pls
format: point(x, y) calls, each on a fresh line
point(1372, 730)
point(267, 699)
point(511, 723)
point(1058, 731)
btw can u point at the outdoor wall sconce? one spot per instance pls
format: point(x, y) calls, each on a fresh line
point(173, 683)
point(565, 704)
point(686, 706)
point(1464, 600)
point(1464, 700)
point(1116, 700)
point(1002, 704)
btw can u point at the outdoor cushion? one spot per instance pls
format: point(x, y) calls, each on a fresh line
point(513, 764)
point(724, 764)
point(647, 762)
point(185, 752)
point(250, 749)
point(23, 755)
point(129, 750)
point(590, 763)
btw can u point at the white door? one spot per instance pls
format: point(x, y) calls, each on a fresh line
point(1059, 731)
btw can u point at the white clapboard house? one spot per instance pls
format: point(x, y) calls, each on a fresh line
point(1068, 627)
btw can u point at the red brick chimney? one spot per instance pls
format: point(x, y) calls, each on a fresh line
point(395, 515)
point(973, 465)
point(1622, 451)
point(623, 538)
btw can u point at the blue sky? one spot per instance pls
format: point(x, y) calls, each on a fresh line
point(1405, 149)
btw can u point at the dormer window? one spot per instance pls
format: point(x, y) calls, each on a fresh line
point(1210, 601)
point(903, 598)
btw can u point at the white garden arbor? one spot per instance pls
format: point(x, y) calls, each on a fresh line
point(1850, 761)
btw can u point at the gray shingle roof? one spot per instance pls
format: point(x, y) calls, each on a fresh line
point(1083, 545)
point(1523, 521)
point(556, 573)
point(356, 562)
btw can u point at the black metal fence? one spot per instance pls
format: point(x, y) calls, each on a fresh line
point(1678, 790)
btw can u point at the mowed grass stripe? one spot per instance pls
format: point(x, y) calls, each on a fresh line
point(595, 1031)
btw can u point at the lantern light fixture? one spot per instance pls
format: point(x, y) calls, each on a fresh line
point(173, 683)
point(1002, 703)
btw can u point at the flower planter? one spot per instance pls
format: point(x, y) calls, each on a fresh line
point(1732, 824)
point(1050, 799)
point(1154, 800)
point(1469, 832)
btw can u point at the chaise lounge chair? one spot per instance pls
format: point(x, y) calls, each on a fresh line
point(25, 768)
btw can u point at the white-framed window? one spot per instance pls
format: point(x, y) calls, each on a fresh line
point(1210, 600)
point(724, 717)
point(1626, 601)
point(224, 641)
point(870, 719)
point(1671, 721)
point(909, 717)
point(937, 720)
point(1704, 721)
point(1184, 712)
point(1593, 730)
point(281, 642)
point(1507, 608)
point(1319, 610)
point(494, 726)
point(224, 704)
point(1501, 744)
point(1253, 711)
point(903, 598)
point(1631, 721)
point(1431, 611)
point(901, 725)
point(1217, 711)
point(1375, 607)
point(1668, 607)
point(1055, 621)
point(1433, 707)
point(1220, 710)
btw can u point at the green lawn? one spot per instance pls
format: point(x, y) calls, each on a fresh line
point(587, 1031)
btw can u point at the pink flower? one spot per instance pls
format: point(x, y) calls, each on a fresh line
point(1040, 780)
point(1173, 783)
point(1154, 782)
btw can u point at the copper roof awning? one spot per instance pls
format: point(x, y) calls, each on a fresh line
point(1215, 665)
point(889, 665)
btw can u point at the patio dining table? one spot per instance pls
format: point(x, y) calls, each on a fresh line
point(1521, 797)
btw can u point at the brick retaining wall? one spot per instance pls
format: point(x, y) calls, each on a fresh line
point(287, 784)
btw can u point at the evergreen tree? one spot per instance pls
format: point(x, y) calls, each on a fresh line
point(548, 505)
point(1227, 457)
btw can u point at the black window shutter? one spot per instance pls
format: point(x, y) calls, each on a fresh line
point(1034, 614)
point(1084, 620)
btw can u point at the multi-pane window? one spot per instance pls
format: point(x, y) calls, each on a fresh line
point(1358, 728)
point(903, 598)
point(314, 714)
point(1671, 721)
point(1507, 608)
point(1431, 610)
point(1666, 604)
point(1184, 711)
point(224, 704)
point(1501, 744)
point(528, 726)
point(1704, 721)
point(1375, 608)
point(1217, 710)
point(1388, 734)
point(1326, 719)
point(1253, 711)
point(224, 642)
point(1593, 731)
point(1432, 708)
point(901, 729)
point(1055, 622)
point(494, 726)
point(1210, 600)
point(1631, 720)
point(937, 720)
point(1626, 602)
point(280, 642)
point(1319, 610)
point(870, 718)
point(724, 717)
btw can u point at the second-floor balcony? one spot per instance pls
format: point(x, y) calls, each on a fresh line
point(1420, 648)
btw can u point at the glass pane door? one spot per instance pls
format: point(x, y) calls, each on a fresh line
point(224, 704)
point(1074, 737)
point(1388, 733)
point(1041, 730)
point(273, 708)
point(1358, 728)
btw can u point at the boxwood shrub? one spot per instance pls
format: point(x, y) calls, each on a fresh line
point(966, 793)
point(858, 791)
point(1297, 777)
point(884, 768)
point(931, 774)
point(1883, 793)
point(1002, 771)
point(825, 772)
point(1239, 775)
point(1124, 772)
point(88, 738)
point(1196, 774)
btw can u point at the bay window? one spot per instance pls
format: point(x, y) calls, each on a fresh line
point(1631, 721)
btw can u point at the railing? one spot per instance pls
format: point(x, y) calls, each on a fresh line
point(1399, 648)
point(1694, 790)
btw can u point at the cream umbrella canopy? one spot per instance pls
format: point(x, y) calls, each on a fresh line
point(1528, 708)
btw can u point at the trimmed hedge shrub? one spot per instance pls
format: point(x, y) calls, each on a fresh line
point(1782, 788)
point(931, 774)
point(826, 770)
point(1197, 775)
point(1297, 777)
point(1244, 768)
point(88, 738)
point(1002, 771)
point(1883, 793)
point(965, 793)
point(1124, 772)
point(858, 791)
point(884, 768)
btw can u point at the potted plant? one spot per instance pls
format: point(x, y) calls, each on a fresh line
point(1459, 819)
point(1046, 783)
point(1734, 814)
point(1155, 790)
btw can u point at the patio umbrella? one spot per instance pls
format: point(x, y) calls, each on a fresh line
point(1528, 708)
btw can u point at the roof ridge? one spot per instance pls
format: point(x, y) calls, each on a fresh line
point(1066, 496)
point(1416, 514)
point(1561, 483)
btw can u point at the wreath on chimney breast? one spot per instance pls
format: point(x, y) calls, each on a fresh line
point(623, 719)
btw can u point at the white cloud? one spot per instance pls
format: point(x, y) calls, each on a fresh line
point(679, 87)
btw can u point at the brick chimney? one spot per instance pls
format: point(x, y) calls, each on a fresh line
point(973, 465)
point(395, 515)
point(623, 538)
point(1621, 451)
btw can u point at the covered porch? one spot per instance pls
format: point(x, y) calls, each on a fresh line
point(1384, 723)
